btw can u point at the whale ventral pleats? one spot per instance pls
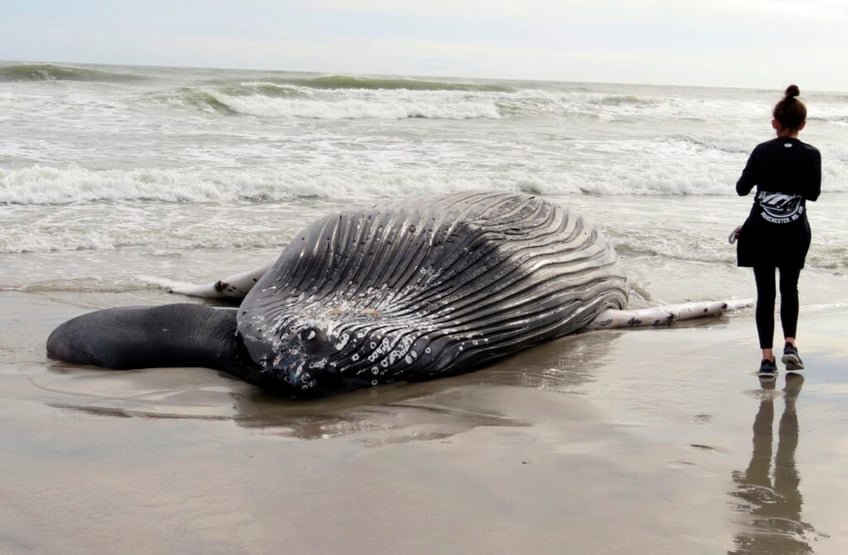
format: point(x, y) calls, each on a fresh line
point(423, 288)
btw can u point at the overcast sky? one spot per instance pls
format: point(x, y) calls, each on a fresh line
point(735, 43)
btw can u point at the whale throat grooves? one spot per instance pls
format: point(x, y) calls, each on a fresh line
point(424, 288)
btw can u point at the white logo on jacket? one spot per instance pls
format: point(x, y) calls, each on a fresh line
point(780, 208)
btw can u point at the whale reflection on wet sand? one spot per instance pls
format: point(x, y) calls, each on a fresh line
point(399, 412)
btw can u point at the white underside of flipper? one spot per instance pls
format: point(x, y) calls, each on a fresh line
point(662, 315)
point(235, 286)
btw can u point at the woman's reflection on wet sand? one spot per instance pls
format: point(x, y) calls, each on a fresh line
point(772, 498)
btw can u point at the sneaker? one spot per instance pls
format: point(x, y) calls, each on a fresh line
point(768, 369)
point(791, 359)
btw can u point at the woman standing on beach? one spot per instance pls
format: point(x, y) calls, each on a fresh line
point(776, 235)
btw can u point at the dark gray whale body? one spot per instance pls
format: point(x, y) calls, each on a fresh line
point(419, 289)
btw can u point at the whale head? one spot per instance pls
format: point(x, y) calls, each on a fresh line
point(294, 358)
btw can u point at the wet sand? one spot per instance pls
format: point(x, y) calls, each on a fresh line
point(650, 441)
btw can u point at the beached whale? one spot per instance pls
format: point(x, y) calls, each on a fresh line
point(414, 290)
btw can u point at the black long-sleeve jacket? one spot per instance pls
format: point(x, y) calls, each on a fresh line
point(787, 173)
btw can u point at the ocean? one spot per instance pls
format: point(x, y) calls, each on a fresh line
point(112, 173)
point(113, 178)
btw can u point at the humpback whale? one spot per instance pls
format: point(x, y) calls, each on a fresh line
point(412, 290)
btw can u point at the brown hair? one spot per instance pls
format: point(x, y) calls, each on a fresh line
point(790, 112)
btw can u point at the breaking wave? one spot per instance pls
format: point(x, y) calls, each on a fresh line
point(385, 83)
point(52, 72)
point(270, 100)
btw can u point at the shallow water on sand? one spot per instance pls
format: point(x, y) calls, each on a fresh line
point(657, 440)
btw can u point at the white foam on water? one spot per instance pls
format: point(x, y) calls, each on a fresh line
point(214, 159)
point(632, 174)
point(369, 105)
point(45, 185)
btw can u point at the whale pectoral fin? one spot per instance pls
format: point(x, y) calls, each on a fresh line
point(235, 286)
point(658, 315)
point(181, 287)
point(149, 337)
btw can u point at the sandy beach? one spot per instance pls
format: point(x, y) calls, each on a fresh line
point(650, 441)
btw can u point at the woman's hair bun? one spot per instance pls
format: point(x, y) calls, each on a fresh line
point(790, 112)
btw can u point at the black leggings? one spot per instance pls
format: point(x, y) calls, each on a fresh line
point(764, 276)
